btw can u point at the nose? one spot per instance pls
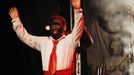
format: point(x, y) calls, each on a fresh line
point(54, 26)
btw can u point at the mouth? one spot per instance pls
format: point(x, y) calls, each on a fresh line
point(55, 31)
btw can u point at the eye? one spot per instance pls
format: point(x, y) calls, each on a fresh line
point(56, 23)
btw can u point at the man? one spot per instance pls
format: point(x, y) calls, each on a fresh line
point(57, 50)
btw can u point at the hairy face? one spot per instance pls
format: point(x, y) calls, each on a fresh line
point(57, 28)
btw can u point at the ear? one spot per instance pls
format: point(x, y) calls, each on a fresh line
point(65, 27)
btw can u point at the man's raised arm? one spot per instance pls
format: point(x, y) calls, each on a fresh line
point(21, 32)
point(78, 22)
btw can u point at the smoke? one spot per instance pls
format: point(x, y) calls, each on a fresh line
point(119, 15)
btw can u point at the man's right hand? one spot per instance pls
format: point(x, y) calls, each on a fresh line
point(13, 12)
point(76, 4)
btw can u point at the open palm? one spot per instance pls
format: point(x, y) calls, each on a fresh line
point(76, 4)
point(13, 12)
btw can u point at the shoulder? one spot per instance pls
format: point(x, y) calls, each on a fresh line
point(67, 32)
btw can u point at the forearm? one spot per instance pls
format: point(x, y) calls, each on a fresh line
point(19, 28)
point(78, 25)
point(22, 33)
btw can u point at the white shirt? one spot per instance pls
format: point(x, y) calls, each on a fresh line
point(65, 48)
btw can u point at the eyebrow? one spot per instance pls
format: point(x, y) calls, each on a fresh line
point(55, 23)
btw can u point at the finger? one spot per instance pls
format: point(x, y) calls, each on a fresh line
point(11, 9)
point(9, 13)
point(72, 0)
point(14, 8)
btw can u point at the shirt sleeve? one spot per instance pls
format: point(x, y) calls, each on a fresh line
point(78, 27)
point(24, 36)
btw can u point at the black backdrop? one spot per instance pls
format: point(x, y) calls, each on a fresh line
point(18, 58)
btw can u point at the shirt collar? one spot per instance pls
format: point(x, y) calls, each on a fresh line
point(63, 36)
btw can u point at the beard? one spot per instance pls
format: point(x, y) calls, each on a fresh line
point(56, 33)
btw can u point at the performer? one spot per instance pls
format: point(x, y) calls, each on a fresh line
point(57, 50)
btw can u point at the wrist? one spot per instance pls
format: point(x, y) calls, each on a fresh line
point(78, 10)
point(15, 19)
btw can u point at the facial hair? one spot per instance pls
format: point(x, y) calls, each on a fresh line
point(56, 33)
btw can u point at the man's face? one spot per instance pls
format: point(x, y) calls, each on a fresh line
point(57, 29)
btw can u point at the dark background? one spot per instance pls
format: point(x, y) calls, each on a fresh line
point(18, 58)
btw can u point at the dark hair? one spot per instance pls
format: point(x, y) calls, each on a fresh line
point(59, 18)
